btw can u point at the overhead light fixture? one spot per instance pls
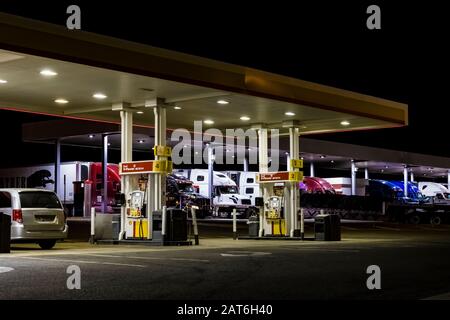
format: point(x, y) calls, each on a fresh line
point(286, 153)
point(345, 123)
point(91, 136)
point(245, 118)
point(99, 96)
point(249, 149)
point(141, 141)
point(48, 73)
point(196, 152)
point(322, 157)
point(290, 114)
point(61, 101)
point(177, 108)
point(185, 146)
point(302, 158)
point(208, 122)
point(140, 112)
point(109, 144)
point(3, 81)
point(382, 170)
point(223, 102)
point(387, 167)
point(332, 161)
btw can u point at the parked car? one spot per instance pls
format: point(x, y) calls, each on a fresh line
point(37, 215)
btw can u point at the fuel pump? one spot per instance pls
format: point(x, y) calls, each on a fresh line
point(136, 225)
point(273, 211)
point(277, 205)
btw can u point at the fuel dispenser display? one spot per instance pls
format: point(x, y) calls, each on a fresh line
point(137, 223)
point(273, 212)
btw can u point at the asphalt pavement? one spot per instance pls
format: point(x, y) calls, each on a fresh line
point(414, 263)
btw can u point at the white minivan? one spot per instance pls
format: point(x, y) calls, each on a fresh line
point(37, 215)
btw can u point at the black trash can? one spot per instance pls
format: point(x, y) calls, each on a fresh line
point(5, 233)
point(176, 225)
point(327, 227)
point(253, 226)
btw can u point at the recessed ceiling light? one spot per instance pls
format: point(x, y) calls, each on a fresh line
point(322, 157)
point(208, 122)
point(249, 149)
point(140, 112)
point(109, 144)
point(290, 114)
point(222, 102)
point(141, 141)
point(196, 152)
point(233, 156)
point(286, 153)
point(387, 167)
point(185, 146)
point(91, 136)
point(61, 101)
point(332, 161)
point(48, 73)
point(301, 158)
point(382, 170)
point(177, 108)
point(345, 123)
point(245, 118)
point(99, 95)
point(3, 81)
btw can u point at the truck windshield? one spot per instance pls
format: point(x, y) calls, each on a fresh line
point(39, 199)
point(228, 189)
point(186, 188)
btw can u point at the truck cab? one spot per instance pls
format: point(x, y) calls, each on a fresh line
point(226, 195)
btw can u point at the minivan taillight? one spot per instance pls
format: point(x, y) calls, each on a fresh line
point(17, 216)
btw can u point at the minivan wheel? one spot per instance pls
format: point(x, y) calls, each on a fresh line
point(47, 244)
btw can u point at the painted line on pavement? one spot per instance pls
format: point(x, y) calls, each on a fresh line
point(6, 269)
point(146, 258)
point(87, 262)
point(445, 296)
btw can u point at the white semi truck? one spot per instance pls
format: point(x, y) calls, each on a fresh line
point(225, 193)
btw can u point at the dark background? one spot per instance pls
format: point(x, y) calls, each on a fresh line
point(320, 41)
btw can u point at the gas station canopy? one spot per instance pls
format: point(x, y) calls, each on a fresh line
point(87, 75)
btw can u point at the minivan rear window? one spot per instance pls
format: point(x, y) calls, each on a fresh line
point(39, 199)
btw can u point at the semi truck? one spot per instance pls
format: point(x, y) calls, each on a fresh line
point(226, 195)
point(72, 176)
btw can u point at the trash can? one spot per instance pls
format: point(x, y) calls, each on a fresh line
point(5, 233)
point(253, 226)
point(327, 227)
point(176, 225)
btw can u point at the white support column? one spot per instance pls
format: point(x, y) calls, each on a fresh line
point(448, 179)
point(292, 217)
point(405, 180)
point(210, 174)
point(411, 175)
point(58, 166)
point(366, 173)
point(311, 169)
point(159, 111)
point(105, 173)
point(126, 150)
point(263, 167)
point(245, 163)
point(353, 175)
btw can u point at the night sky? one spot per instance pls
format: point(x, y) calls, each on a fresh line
point(323, 42)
